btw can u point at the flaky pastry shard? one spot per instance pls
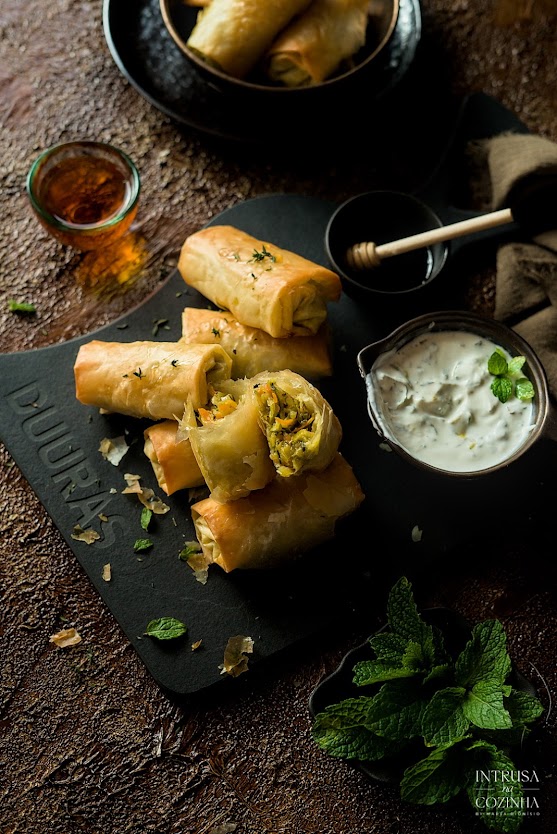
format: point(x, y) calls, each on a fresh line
point(263, 286)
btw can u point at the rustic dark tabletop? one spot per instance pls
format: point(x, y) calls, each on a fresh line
point(88, 742)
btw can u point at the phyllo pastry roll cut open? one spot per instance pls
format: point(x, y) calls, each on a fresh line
point(302, 431)
point(253, 351)
point(229, 446)
point(279, 523)
point(313, 46)
point(262, 285)
point(232, 35)
point(152, 380)
point(171, 457)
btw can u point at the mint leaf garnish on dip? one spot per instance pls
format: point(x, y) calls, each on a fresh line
point(505, 382)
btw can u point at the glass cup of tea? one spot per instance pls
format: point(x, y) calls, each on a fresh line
point(84, 193)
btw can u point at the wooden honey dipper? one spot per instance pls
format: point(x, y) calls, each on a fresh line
point(363, 256)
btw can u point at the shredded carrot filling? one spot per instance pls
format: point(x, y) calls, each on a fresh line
point(286, 423)
point(267, 389)
point(219, 406)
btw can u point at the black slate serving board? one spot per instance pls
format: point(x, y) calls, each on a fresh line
point(54, 440)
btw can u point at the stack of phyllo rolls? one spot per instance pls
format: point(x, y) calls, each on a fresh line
point(242, 415)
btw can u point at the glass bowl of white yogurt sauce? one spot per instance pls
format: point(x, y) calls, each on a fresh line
point(430, 397)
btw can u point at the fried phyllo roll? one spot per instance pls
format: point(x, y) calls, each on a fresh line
point(232, 35)
point(148, 379)
point(171, 457)
point(301, 429)
point(253, 351)
point(229, 446)
point(313, 46)
point(276, 524)
point(262, 286)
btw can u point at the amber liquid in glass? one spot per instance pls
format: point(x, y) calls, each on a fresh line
point(85, 191)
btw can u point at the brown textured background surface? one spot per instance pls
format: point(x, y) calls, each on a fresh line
point(87, 741)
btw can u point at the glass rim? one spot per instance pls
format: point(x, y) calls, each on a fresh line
point(86, 228)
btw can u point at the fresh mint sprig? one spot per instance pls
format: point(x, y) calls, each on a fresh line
point(507, 380)
point(461, 711)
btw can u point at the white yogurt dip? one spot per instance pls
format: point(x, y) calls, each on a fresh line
point(433, 397)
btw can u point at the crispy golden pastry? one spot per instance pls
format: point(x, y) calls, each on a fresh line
point(302, 431)
point(262, 286)
point(312, 47)
point(276, 524)
point(171, 457)
point(233, 34)
point(148, 379)
point(229, 446)
point(253, 351)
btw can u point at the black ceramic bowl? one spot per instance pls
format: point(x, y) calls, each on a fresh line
point(382, 217)
point(180, 20)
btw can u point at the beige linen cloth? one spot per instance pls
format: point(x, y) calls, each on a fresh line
point(526, 279)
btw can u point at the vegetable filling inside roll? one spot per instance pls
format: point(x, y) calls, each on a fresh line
point(228, 443)
point(289, 426)
point(219, 406)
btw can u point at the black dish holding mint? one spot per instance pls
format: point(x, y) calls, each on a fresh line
point(427, 703)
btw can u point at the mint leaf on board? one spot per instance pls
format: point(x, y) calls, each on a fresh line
point(146, 516)
point(142, 544)
point(484, 657)
point(190, 549)
point(437, 778)
point(498, 803)
point(373, 671)
point(340, 730)
point(443, 720)
point(165, 628)
point(483, 706)
point(396, 710)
